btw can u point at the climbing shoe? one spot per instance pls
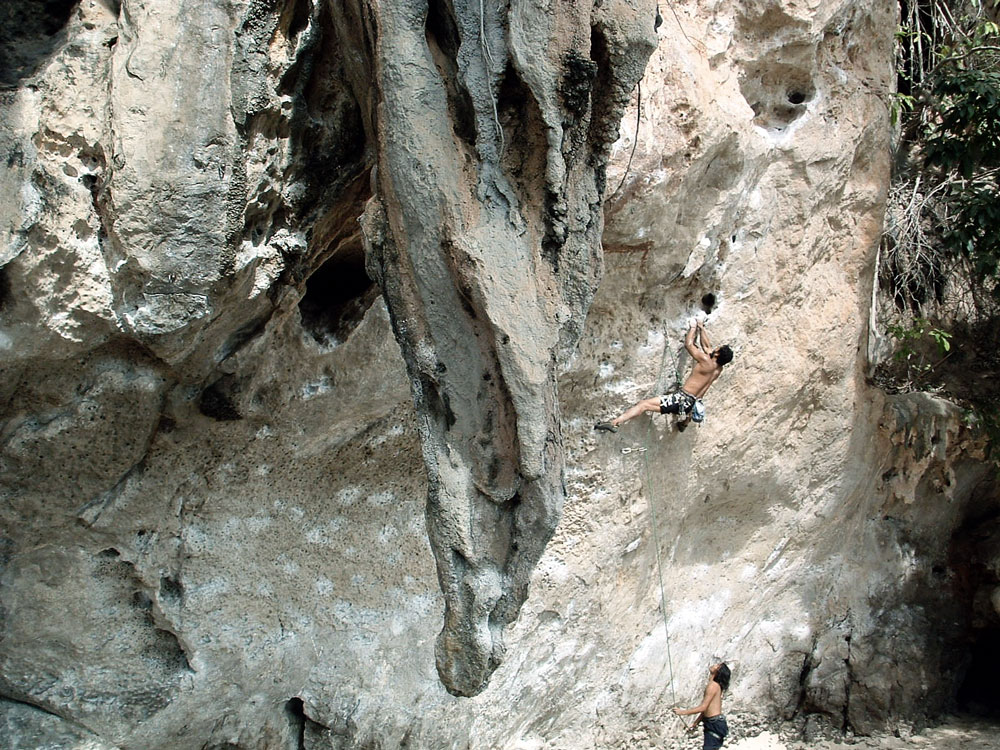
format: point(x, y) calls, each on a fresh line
point(681, 426)
point(606, 427)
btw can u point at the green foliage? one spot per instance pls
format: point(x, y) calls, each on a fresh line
point(900, 105)
point(941, 253)
point(948, 66)
point(974, 230)
point(962, 143)
point(910, 351)
point(965, 135)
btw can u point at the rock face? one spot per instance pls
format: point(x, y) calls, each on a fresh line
point(217, 495)
point(491, 129)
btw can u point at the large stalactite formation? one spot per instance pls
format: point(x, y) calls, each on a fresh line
point(216, 497)
point(491, 126)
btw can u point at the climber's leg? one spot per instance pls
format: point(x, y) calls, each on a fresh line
point(646, 405)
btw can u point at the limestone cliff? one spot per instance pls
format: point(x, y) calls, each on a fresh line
point(491, 130)
point(224, 523)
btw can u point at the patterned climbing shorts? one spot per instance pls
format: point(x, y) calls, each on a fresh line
point(677, 402)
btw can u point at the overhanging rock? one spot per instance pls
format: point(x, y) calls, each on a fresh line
point(491, 128)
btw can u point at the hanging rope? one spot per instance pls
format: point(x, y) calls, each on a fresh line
point(673, 11)
point(653, 525)
point(662, 386)
point(484, 47)
point(659, 558)
point(657, 23)
point(635, 141)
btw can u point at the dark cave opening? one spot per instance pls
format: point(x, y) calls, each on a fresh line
point(338, 294)
point(218, 401)
point(978, 692)
point(296, 16)
point(29, 34)
point(4, 288)
point(974, 559)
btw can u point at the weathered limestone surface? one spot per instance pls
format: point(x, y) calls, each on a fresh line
point(224, 525)
point(488, 256)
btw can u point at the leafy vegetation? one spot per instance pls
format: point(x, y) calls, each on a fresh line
point(939, 269)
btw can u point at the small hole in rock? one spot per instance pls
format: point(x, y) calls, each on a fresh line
point(708, 302)
point(216, 402)
point(141, 600)
point(171, 589)
point(796, 97)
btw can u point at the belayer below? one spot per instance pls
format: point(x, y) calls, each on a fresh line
point(685, 401)
point(710, 709)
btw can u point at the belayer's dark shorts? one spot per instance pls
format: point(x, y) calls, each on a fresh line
point(716, 730)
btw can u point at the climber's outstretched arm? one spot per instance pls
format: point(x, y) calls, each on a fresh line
point(698, 353)
point(706, 345)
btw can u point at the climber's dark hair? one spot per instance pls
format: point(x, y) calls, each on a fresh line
point(725, 355)
point(722, 675)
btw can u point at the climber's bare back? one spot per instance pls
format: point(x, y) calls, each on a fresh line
point(705, 373)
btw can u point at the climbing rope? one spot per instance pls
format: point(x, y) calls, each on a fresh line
point(662, 385)
point(657, 23)
point(484, 48)
point(659, 558)
point(648, 485)
point(635, 141)
point(673, 11)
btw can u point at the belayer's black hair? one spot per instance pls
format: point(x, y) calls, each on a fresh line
point(725, 355)
point(722, 675)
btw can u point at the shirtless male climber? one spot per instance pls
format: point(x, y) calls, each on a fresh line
point(710, 709)
point(707, 368)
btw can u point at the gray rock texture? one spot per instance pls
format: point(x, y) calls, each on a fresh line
point(491, 130)
point(240, 490)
